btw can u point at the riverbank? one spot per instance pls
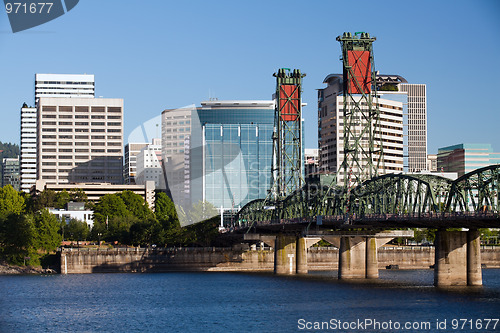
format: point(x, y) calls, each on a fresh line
point(6, 269)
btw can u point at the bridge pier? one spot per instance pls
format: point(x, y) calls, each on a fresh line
point(458, 259)
point(285, 252)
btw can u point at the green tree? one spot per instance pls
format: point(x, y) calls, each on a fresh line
point(76, 230)
point(201, 211)
point(61, 199)
point(17, 238)
point(135, 204)
point(47, 227)
point(109, 206)
point(11, 202)
point(78, 195)
point(44, 199)
point(147, 232)
point(165, 212)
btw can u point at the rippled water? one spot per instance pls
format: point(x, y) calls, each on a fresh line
point(233, 302)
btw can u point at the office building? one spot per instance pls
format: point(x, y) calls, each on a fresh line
point(149, 165)
point(232, 152)
point(176, 126)
point(311, 161)
point(466, 157)
point(390, 88)
point(432, 163)
point(130, 165)
point(80, 140)
point(28, 149)
point(331, 130)
point(95, 191)
point(64, 85)
point(10, 172)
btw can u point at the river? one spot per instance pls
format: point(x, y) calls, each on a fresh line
point(237, 302)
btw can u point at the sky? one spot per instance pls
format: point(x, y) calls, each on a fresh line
point(160, 54)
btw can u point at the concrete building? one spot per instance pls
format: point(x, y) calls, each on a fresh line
point(466, 157)
point(176, 127)
point(311, 161)
point(28, 149)
point(432, 163)
point(389, 87)
point(64, 85)
point(232, 152)
point(130, 163)
point(80, 140)
point(74, 210)
point(95, 191)
point(331, 130)
point(149, 165)
point(10, 172)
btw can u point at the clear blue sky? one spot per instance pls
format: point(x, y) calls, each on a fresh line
point(163, 54)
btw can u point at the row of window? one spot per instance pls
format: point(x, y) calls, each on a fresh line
point(81, 109)
point(93, 130)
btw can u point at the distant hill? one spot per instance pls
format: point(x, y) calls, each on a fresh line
point(9, 149)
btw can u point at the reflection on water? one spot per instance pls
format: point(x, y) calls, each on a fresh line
point(232, 302)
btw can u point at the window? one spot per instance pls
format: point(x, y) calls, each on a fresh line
point(81, 109)
point(97, 123)
point(65, 130)
point(98, 109)
point(97, 117)
point(114, 109)
point(81, 123)
point(97, 130)
point(97, 137)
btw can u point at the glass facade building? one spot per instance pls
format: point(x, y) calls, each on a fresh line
point(232, 152)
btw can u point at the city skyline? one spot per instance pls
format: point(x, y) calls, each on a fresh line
point(191, 56)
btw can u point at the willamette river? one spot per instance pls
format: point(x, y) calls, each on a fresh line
point(234, 302)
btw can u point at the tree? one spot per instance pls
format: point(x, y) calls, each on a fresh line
point(11, 202)
point(201, 211)
point(61, 199)
point(45, 199)
point(17, 238)
point(165, 212)
point(47, 227)
point(147, 232)
point(135, 204)
point(109, 206)
point(76, 230)
point(78, 195)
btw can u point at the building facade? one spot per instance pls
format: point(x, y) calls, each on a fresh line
point(232, 152)
point(311, 161)
point(10, 173)
point(149, 165)
point(331, 130)
point(80, 140)
point(466, 157)
point(64, 85)
point(130, 163)
point(28, 148)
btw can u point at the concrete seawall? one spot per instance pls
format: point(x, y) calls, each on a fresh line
point(227, 259)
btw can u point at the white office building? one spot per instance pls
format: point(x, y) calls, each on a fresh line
point(64, 85)
point(80, 140)
point(149, 165)
point(28, 157)
point(130, 165)
point(331, 130)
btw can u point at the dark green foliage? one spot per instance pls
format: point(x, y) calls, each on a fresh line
point(147, 232)
point(9, 149)
point(11, 202)
point(165, 212)
point(47, 228)
point(17, 237)
point(388, 87)
point(76, 230)
point(135, 204)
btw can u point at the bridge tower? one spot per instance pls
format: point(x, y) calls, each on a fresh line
point(362, 144)
point(287, 166)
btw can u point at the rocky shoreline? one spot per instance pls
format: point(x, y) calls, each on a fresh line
point(6, 269)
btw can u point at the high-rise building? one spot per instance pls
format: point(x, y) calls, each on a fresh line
point(417, 125)
point(149, 165)
point(10, 172)
point(64, 85)
point(130, 165)
point(466, 157)
point(28, 151)
point(311, 161)
point(231, 152)
point(80, 140)
point(331, 130)
point(432, 163)
point(176, 126)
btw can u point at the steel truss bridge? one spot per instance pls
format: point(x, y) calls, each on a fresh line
point(388, 201)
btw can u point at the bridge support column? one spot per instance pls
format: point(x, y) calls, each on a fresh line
point(352, 259)
point(474, 273)
point(285, 253)
point(371, 258)
point(302, 256)
point(458, 259)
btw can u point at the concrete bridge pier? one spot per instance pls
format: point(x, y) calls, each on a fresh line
point(458, 259)
point(285, 252)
